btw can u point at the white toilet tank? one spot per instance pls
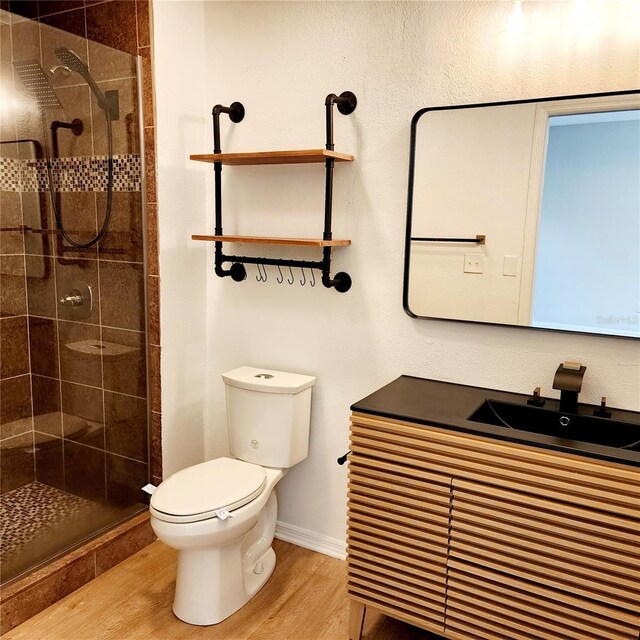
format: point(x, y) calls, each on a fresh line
point(268, 415)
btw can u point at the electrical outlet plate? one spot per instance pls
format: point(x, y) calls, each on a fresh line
point(473, 263)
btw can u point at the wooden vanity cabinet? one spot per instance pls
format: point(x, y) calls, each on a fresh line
point(471, 537)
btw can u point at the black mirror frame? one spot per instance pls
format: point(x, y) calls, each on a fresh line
point(412, 158)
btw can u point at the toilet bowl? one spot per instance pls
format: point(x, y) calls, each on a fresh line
point(222, 563)
point(221, 515)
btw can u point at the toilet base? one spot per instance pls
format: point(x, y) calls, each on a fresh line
point(212, 584)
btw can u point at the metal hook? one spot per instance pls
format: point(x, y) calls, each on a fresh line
point(304, 278)
point(292, 276)
point(261, 268)
point(280, 280)
point(313, 276)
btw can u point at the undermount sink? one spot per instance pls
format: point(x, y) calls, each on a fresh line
point(566, 426)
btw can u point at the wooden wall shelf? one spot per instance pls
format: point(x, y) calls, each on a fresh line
point(303, 156)
point(346, 103)
point(299, 242)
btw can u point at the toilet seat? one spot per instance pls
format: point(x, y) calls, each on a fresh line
point(197, 492)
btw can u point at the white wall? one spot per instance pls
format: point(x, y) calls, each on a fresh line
point(472, 171)
point(281, 60)
point(181, 121)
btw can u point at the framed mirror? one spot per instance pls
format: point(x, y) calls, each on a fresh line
point(527, 213)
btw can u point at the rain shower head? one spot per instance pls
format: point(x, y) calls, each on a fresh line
point(37, 83)
point(72, 61)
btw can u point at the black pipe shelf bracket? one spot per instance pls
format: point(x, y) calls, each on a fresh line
point(346, 103)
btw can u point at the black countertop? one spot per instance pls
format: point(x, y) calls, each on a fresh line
point(448, 405)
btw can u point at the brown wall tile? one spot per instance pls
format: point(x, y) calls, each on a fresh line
point(35, 212)
point(13, 293)
point(80, 220)
point(83, 414)
point(101, 19)
point(70, 273)
point(156, 444)
point(10, 218)
point(124, 546)
point(144, 23)
point(14, 347)
point(125, 373)
point(107, 63)
point(147, 87)
point(125, 479)
point(125, 130)
point(49, 460)
point(64, 30)
point(41, 288)
point(69, 21)
point(47, 416)
point(84, 469)
point(153, 304)
point(126, 426)
point(43, 340)
point(80, 362)
point(153, 267)
point(26, 8)
point(16, 462)
point(150, 164)
point(122, 295)
point(15, 406)
point(25, 40)
point(47, 7)
point(154, 378)
point(124, 239)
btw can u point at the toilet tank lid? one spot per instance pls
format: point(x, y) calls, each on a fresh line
point(268, 380)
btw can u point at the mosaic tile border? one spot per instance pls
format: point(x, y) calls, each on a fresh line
point(86, 173)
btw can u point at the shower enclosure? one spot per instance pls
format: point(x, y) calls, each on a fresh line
point(73, 364)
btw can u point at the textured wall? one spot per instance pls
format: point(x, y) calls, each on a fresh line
point(182, 124)
point(281, 60)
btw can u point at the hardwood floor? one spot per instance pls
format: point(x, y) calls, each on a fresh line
point(305, 599)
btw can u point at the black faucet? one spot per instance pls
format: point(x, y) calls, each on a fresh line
point(568, 380)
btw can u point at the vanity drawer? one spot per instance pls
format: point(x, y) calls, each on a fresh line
point(579, 551)
point(482, 603)
point(601, 485)
point(398, 539)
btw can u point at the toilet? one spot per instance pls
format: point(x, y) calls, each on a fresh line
point(221, 515)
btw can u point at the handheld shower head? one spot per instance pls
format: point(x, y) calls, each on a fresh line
point(72, 61)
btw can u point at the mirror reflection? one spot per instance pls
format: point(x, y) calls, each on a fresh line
point(527, 213)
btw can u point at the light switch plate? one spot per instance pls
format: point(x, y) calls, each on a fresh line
point(510, 266)
point(473, 263)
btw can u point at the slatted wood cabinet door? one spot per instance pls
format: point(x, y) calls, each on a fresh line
point(526, 567)
point(474, 538)
point(398, 539)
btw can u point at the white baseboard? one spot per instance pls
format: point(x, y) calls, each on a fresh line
point(311, 540)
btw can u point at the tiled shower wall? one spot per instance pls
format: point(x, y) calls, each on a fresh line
point(98, 401)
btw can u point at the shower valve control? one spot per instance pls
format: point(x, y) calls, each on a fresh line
point(73, 299)
point(78, 302)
